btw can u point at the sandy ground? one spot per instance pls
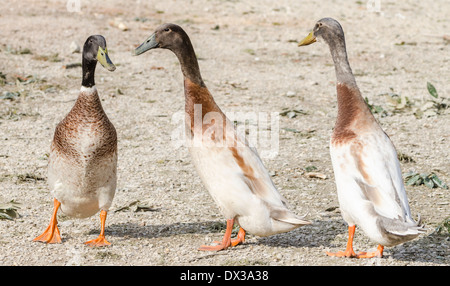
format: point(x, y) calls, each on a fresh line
point(250, 62)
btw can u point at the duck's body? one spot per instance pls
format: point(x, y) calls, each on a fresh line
point(235, 176)
point(368, 177)
point(230, 169)
point(83, 158)
point(82, 167)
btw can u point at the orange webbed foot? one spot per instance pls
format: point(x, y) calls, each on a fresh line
point(219, 247)
point(349, 249)
point(240, 238)
point(376, 253)
point(346, 253)
point(98, 242)
point(226, 241)
point(51, 233)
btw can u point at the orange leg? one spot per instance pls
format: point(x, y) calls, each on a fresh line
point(349, 250)
point(100, 240)
point(226, 241)
point(240, 238)
point(51, 233)
point(377, 253)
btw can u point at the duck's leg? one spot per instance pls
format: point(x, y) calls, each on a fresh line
point(226, 241)
point(51, 233)
point(349, 249)
point(100, 240)
point(376, 253)
point(240, 238)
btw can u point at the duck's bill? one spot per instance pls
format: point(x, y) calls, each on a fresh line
point(104, 60)
point(149, 44)
point(308, 40)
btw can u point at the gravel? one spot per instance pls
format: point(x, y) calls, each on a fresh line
point(250, 62)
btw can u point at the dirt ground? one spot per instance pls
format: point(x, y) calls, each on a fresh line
point(250, 62)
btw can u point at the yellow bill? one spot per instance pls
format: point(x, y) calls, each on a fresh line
point(308, 40)
point(103, 59)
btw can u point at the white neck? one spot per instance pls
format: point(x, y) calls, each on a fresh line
point(88, 89)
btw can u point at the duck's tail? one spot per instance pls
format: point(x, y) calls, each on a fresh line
point(286, 216)
point(400, 231)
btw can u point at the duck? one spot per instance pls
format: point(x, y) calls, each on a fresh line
point(82, 165)
point(230, 169)
point(368, 177)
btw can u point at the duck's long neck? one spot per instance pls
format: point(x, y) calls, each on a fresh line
point(351, 105)
point(88, 100)
point(88, 69)
point(344, 74)
point(197, 96)
point(189, 63)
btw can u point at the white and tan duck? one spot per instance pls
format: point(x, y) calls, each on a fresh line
point(230, 169)
point(82, 164)
point(368, 177)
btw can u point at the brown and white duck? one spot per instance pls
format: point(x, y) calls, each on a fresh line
point(82, 164)
point(230, 169)
point(368, 177)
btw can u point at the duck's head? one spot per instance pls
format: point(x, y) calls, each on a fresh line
point(327, 28)
point(94, 50)
point(167, 36)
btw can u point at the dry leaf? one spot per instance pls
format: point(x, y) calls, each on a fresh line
point(316, 175)
point(9, 210)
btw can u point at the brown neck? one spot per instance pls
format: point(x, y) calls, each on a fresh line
point(349, 105)
point(353, 113)
point(198, 98)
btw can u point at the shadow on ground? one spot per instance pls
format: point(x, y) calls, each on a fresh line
point(430, 248)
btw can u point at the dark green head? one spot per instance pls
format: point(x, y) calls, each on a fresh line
point(94, 49)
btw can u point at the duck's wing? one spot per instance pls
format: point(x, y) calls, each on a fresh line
point(257, 178)
point(251, 168)
point(376, 170)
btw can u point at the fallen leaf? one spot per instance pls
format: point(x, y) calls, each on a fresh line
point(9, 210)
point(292, 113)
point(438, 181)
point(316, 175)
point(432, 90)
point(310, 168)
point(72, 65)
point(137, 206)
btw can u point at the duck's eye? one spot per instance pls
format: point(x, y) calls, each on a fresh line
point(166, 30)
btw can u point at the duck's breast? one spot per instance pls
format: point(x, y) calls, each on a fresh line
point(83, 163)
